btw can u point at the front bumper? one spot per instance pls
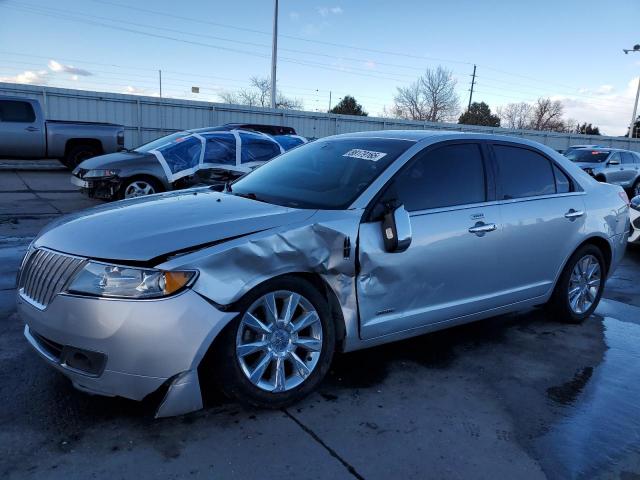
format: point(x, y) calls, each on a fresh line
point(103, 188)
point(144, 343)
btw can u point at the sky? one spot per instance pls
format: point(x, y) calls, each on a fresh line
point(564, 49)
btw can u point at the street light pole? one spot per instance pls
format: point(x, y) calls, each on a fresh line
point(274, 54)
point(635, 109)
point(636, 48)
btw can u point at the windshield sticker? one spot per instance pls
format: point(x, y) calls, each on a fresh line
point(364, 154)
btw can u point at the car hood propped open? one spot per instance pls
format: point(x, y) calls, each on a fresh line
point(143, 229)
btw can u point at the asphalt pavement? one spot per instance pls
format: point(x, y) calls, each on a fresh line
point(515, 396)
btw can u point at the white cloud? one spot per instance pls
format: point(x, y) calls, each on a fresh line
point(29, 77)
point(370, 64)
point(60, 67)
point(135, 90)
point(604, 89)
point(609, 110)
point(326, 11)
point(294, 16)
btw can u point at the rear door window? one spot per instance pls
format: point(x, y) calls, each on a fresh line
point(16, 111)
point(523, 172)
point(628, 158)
point(447, 176)
point(220, 149)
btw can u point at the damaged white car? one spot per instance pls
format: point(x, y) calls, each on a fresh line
point(341, 244)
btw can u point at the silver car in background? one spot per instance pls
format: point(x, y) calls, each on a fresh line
point(611, 165)
point(344, 243)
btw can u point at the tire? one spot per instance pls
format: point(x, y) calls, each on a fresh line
point(78, 154)
point(139, 187)
point(563, 305)
point(234, 367)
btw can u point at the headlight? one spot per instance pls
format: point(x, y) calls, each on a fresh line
point(101, 173)
point(99, 279)
point(635, 203)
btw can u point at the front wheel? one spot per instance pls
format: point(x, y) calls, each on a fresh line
point(580, 285)
point(139, 187)
point(280, 346)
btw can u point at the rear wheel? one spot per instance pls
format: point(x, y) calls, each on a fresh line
point(580, 285)
point(78, 154)
point(280, 346)
point(139, 187)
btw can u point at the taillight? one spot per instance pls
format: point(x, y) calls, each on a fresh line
point(121, 138)
point(624, 197)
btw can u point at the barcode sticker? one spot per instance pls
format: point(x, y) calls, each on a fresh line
point(364, 154)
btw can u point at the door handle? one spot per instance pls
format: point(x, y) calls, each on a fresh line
point(32, 129)
point(573, 214)
point(481, 228)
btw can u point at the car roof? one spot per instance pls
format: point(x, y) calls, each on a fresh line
point(437, 135)
point(605, 149)
point(256, 127)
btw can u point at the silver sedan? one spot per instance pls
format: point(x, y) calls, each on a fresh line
point(341, 244)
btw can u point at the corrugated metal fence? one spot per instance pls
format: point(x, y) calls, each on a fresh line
point(146, 118)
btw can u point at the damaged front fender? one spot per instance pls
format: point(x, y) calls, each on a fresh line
point(326, 247)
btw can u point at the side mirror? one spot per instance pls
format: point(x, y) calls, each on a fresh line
point(396, 230)
point(614, 162)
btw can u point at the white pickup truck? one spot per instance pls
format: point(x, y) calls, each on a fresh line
point(24, 133)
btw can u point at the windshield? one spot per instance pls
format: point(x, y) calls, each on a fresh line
point(325, 174)
point(588, 156)
point(158, 142)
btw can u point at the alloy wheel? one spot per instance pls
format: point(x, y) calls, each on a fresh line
point(279, 341)
point(584, 284)
point(139, 188)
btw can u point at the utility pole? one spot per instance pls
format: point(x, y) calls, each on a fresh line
point(329, 101)
point(473, 82)
point(274, 54)
point(160, 80)
point(636, 48)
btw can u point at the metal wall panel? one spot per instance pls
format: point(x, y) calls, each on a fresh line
point(146, 118)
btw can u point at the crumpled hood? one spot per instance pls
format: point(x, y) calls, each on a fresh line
point(113, 160)
point(145, 228)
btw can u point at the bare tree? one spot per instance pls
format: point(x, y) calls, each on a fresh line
point(547, 115)
point(241, 97)
point(409, 103)
point(544, 114)
point(259, 94)
point(515, 115)
point(439, 88)
point(432, 97)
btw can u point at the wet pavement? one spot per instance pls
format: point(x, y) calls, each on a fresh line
point(515, 396)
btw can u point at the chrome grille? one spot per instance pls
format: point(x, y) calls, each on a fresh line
point(44, 275)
